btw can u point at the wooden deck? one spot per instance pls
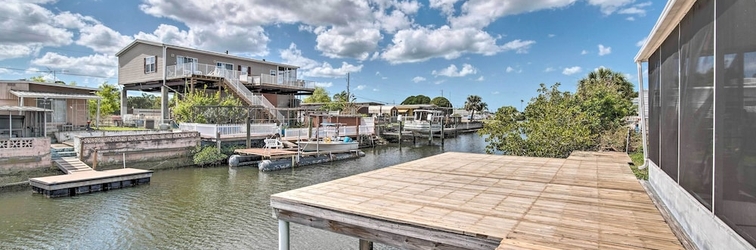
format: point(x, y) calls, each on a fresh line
point(478, 201)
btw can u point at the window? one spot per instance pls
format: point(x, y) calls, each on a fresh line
point(150, 64)
point(58, 107)
point(244, 70)
point(273, 72)
point(188, 64)
point(226, 66)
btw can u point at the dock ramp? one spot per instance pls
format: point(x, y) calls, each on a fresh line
point(71, 165)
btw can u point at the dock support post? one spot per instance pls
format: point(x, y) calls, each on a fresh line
point(283, 235)
point(442, 132)
point(400, 132)
point(430, 133)
point(249, 137)
point(94, 165)
point(124, 159)
point(218, 141)
point(366, 245)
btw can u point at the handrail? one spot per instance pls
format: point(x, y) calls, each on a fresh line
point(189, 69)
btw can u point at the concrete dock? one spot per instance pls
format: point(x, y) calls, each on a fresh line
point(478, 201)
point(81, 179)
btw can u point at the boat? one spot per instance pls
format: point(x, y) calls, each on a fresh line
point(329, 143)
point(425, 121)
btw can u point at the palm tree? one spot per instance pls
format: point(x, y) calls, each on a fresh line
point(474, 103)
point(607, 77)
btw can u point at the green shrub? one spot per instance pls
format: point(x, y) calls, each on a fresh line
point(208, 156)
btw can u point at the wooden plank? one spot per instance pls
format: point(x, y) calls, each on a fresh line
point(401, 235)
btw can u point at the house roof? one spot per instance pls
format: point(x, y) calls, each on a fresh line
point(671, 16)
point(29, 94)
point(139, 41)
point(23, 108)
point(50, 84)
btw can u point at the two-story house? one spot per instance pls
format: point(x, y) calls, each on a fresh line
point(151, 67)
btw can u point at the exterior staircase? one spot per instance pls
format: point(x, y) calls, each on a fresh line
point(58, 151)
point(231, 80)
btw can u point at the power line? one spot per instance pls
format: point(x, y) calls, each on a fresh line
point(57, 72)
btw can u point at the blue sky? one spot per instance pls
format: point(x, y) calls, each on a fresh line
point(500, 50)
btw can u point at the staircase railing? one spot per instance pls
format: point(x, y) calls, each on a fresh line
point(232, 80)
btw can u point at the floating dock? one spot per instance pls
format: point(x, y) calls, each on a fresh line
point(82, 179)
point(270, 159)
point(479, 201)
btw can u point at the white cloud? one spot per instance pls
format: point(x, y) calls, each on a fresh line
point(521, 47)
point(551, 35)
point(480, 13)
point(102, 39)
point(510, 69)
point(247, 41)
point(312, 68)
point(609, 6)
point(480, 79)
point(27, 27)
point(439, 82)
point(630, 18)
point(637, 9)
point(571, 70)
point(602, 51)
point(323, 84)
point(641, 42)
point(361, 87)
point(384, 77)
point(422, 43)
point(418, 79)
point(97, 65)
point(308, 28)
point(347, 42)
point(446, 6)
point(376, 90)
point(452, 71)
point(599, 67)
point(495, 93)
point(549, 69)
point(584, 52)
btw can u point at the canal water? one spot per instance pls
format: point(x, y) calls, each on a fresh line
point(197, 208)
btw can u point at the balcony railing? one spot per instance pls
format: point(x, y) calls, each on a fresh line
point(188, 69)
point(211, 130)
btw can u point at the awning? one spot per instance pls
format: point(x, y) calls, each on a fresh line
point(380, 109)
point(29, 94)
point(402, 110)
point(23, 109)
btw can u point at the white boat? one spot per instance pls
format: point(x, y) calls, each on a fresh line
point(329, 144)
point(425, 121)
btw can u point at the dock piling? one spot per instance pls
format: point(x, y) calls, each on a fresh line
point(283, 235)
point(366, 245)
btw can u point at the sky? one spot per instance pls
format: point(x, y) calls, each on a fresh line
point(500, 50)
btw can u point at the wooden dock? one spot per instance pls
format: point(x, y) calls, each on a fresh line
point(81, 179)
point(478, 201)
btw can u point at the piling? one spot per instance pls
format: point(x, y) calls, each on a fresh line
point(218, 141)
point(249, 136)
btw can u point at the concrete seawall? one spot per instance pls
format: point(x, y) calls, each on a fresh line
point(144, 151)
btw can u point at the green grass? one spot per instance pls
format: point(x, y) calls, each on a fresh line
point(119, 129)
point(637, 157)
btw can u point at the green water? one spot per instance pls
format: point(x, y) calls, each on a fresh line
point(197, 208)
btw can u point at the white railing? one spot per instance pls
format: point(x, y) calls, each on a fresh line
point(188, 69)
point(329, 131)
point(211, 130)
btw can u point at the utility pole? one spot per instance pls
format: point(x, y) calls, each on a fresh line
point(442, 93)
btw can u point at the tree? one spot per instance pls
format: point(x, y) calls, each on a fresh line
point(441, 102)
point(340, 102)
point(609, 78)
point(418, 99)
point(555, 123)
point(37, 79)
point(320, 95)
point(110, 103)
point(202, 107)
point(475, 103)
point(146, 101)
point(553, 127)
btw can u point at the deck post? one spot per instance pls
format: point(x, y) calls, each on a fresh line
point(218, 140)
point(430, 132)
point(366, 245)
point(442, 132)
point(283, 235)
point(400, 132)
point(249, 138)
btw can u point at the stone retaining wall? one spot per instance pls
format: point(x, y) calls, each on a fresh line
point(146, 151)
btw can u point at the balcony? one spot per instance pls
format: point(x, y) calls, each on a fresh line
point(189, 70)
